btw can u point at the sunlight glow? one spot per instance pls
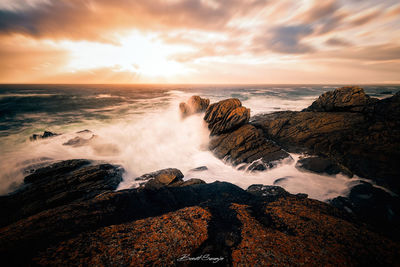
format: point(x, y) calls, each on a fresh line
point(137, 53)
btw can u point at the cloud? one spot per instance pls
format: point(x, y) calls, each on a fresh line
point(93, 19)
point(337, 42)
point(286, 39)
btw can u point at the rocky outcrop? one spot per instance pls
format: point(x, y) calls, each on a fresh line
point(46, 134)
point(246, 145)
point(226, 115)
point(365, 143)
point(234, 139)
point(59, 184)
point(351, 99)
point(195, 104)
point(216, 222)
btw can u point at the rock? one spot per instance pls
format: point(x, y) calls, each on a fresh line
point(199, 169)
point(187, 183)
point(366, 144)
point(372, 205)
point(56, 185)
point(260, 226)
point(226, 116)
point(195, 104)
point(46, 134)
point(318, 165)
point(78, 141)
point(246, 145)
point(351, 99)
point(158, 179)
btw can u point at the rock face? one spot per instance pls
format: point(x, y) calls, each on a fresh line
point(365, 143)
point(169, 225)
point(246, 145)
point(351, 99)
point(195, 104)
point(226, 115)
point(158, 179)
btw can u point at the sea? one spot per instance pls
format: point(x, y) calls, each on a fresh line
point(139, 127)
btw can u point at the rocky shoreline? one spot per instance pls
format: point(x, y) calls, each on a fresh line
point(69, 213)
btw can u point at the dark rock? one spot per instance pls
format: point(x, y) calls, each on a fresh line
point(199, 169)
point(78, 141)
point(226, 116)
point(161, 178)
point(260, 226)
point(246, 145)
point(84, 131)
point(46, 134)
point(318, 165)
point(351, 98)
point(195, 104)
point(56, 185)
point(372, 205)
point(187, 183)
point(280, 180)
point(366, 144)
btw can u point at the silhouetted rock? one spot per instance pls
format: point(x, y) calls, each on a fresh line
point(195, 104)
point(79, 141)
point(351, 98)
point(46, 134)
point(226, 115)
point(199, 169)
point(372, 205)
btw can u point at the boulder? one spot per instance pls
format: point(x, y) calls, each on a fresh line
point(245, 145)
point(79, 141)
point(195, 104)
point(46, 134)
point(226, 115)
point(350, 98)
point(158, 179)
point(318, 165)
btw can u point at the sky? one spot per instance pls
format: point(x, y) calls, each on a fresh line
point(200, 41)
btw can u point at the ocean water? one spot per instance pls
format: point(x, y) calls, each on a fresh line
point(139, 127)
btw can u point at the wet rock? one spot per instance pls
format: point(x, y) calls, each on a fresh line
point(281, 180)
point(56, 185)
point(226, 116)
point(195, 104)
point(267, 191)
point(351, 99)
point(318, 165)
point(46, 134)
point(158, 179)
point(246, 145)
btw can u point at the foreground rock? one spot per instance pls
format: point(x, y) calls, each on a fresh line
point(319, 165)
point(195, 104)
point(365, 142)
point(166, 226)
point(59, 184)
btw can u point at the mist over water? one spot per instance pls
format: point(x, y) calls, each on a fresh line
point(140, 128)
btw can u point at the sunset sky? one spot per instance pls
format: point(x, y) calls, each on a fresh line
point(199, 41)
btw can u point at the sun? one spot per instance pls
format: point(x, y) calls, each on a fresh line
point(146, 55)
